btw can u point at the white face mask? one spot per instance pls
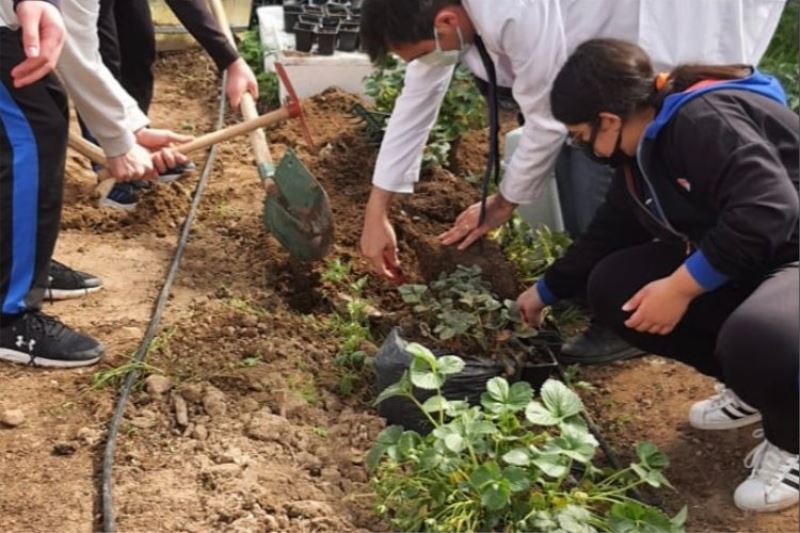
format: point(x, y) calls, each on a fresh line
point(439, 57)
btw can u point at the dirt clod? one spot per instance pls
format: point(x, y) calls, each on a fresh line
point(214, 402)
point(181, 410)
point(200, 432)
point(157, 385)
point(266, 426)
point(308, 509)
point(12, 417)
point(89, 436)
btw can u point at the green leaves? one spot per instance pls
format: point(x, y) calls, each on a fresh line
point(401, 388)
point(560, 399)
point(496, 486)
point(553, 465)
point(461, 306)
point(651, 462)
point(462, 109)
point(635, 517)
point(560, 404)
point(429, 373)
point(650, 456)
point(575, 442)
point(450, 364)
point(575, 519)
point(493, 467)
point(386, 439)
point(499, 398)
point(517, 457)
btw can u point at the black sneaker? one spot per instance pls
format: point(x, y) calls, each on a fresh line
point(597, 345)
point(64, 283)
point(122, 196)
point(39, 340)
point(178, 171)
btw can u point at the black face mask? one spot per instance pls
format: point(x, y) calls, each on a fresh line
point(617, 157)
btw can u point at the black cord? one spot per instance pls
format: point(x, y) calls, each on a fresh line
point(106, 496)
point(493, 162)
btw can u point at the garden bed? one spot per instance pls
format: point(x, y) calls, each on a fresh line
point(271, 442)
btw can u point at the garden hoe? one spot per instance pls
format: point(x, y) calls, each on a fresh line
point(299, 215)
point(296, 208)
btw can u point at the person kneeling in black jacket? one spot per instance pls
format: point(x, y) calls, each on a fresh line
point(694, 254)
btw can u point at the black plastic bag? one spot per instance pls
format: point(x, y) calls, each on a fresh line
point(392, 360)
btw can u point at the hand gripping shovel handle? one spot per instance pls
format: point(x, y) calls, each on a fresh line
point(96, 155)
point(266, 167)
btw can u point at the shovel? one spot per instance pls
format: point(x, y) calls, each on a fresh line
point(296, 209)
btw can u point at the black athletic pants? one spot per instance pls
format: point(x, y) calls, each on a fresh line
point(128, 46)
point(33, 143)
point(744, 335)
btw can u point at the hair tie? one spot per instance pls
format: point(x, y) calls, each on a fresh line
point(661, 80)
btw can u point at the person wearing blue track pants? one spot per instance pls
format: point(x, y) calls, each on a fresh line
point(33, 137)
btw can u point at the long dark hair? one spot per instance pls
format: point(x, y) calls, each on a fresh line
point(618, 77)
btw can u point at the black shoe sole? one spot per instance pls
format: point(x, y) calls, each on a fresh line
point(627, 353)
point(89, 358)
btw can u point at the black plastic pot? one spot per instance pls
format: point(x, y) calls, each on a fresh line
point(291, 14)
point(392, 360)
point(326, 41)
point(334, 9)
point(330, 23)
point(313, 10)
point(541, 363)
point(348, 39)
point(304, 36)
point(313, 20)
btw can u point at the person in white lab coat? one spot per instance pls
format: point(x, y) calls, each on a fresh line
point(528, 42)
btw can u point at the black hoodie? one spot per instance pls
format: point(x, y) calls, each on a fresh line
point(718, 171)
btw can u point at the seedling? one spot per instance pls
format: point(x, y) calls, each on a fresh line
point(461, 307)
point(513, 463)
point(463, 108)
point(350, 324)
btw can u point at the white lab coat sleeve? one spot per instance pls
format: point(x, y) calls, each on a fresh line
point(414, 114)
point(110, 113)
point(533, 38)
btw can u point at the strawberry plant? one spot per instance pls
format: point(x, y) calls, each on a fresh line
point(513, 463)
point(463, 107)
point(460, 307)
point(531, 250)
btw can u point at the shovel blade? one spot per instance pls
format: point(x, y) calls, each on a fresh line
point(297, 212)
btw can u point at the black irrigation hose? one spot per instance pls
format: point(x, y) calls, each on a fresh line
point(106, 496)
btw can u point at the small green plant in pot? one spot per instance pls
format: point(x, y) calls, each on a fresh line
point(513, 463)
point(460, 313)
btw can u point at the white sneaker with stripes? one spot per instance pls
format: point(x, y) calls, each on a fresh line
point(724, 410)
point(774, 482)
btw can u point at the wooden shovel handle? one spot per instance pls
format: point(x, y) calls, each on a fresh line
point(247, 107)
point(96, 155)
